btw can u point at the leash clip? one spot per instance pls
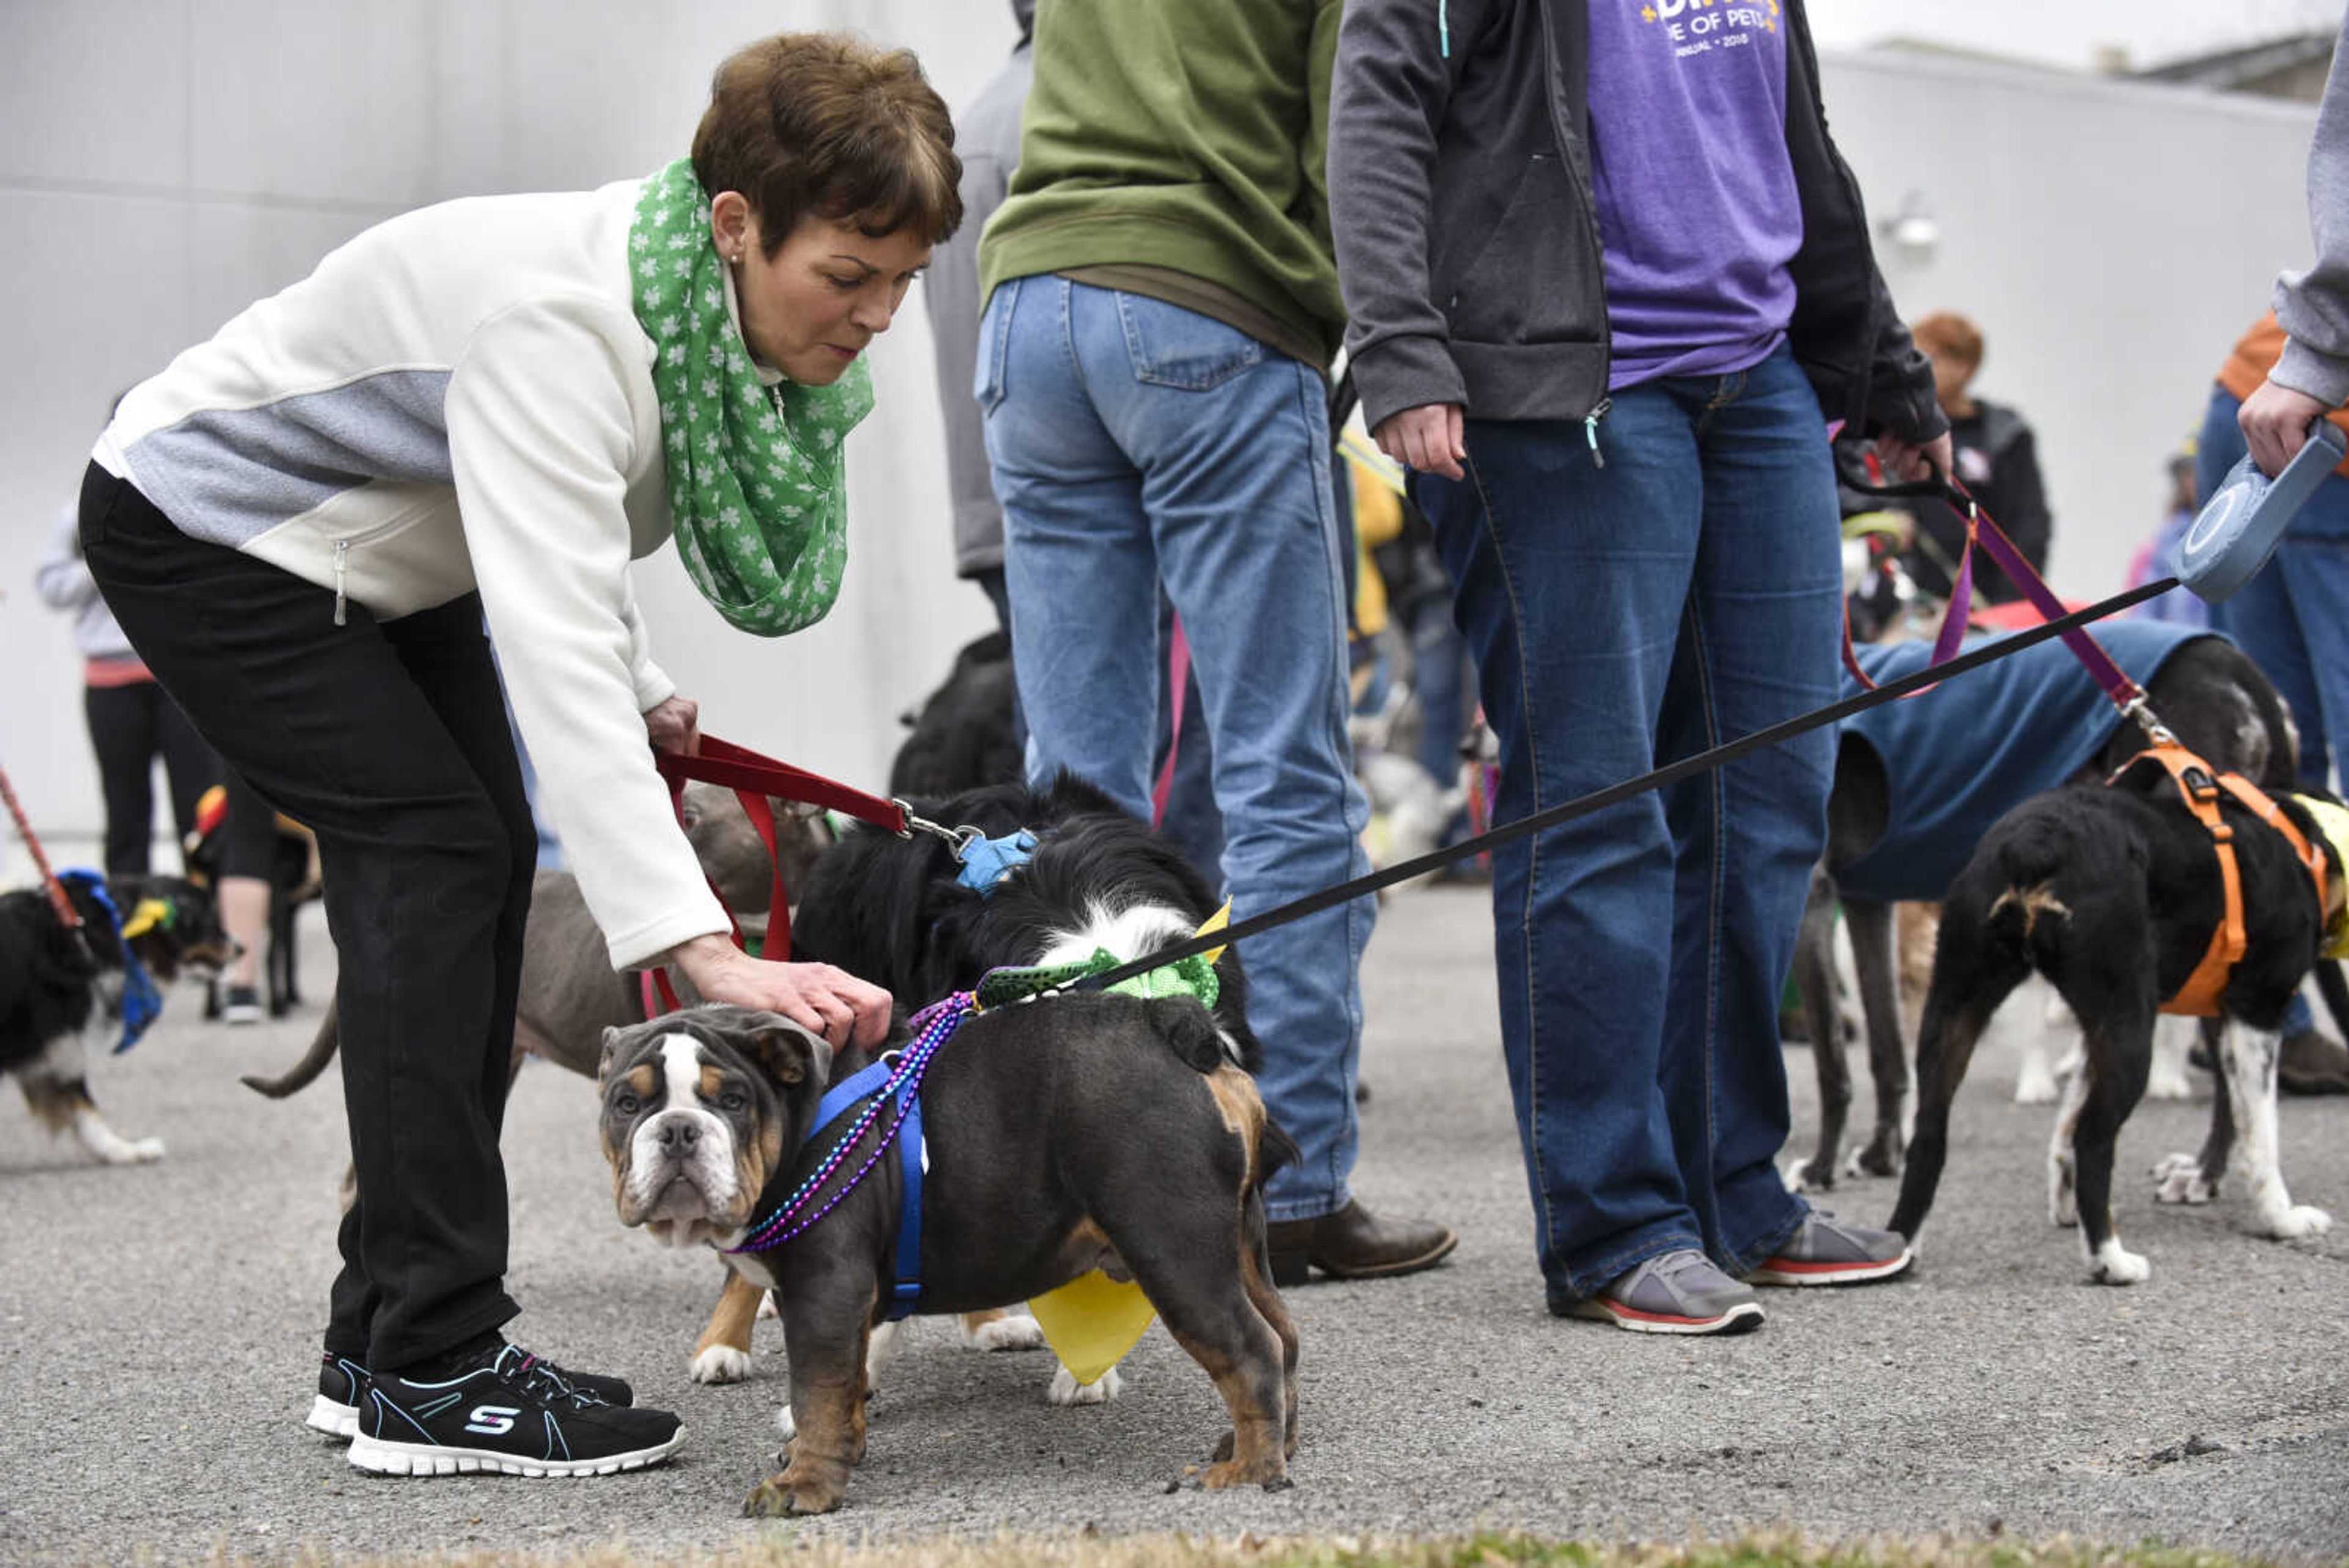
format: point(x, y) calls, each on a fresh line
point(962, 839)
point(2141, 710)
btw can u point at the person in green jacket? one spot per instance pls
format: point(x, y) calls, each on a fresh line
point(1161, 307)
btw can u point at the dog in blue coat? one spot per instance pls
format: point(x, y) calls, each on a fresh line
point(1918, 781)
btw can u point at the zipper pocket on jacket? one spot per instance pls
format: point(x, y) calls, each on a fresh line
point(343, 557)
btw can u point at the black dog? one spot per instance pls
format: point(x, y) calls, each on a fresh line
point(892, 911)
point(964, 736)
point(1061, 1136)
point(2113, 892)
point(61, 994)
point(2210, 693)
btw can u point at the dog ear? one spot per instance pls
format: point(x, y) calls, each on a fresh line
point(612, 1038)
point(789, 1053)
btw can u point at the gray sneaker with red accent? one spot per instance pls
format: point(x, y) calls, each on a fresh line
point(1677, 1292)
point(1824, 1252)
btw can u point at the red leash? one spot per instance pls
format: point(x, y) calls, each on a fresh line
point(1179, 682)
point(756, 781)
point(49, 883)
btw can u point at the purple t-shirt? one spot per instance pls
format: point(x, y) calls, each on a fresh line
point(1697, 207)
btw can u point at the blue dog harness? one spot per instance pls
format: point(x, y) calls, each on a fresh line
point(141, 1003)
point(988, 861)
point(897, 1079)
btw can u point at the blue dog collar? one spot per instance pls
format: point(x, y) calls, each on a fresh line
point(988, 861)
point(141, 1003)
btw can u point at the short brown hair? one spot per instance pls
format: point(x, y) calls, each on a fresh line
point(826, 124)
point(1945, 332)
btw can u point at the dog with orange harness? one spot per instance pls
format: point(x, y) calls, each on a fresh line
point(2170, 888)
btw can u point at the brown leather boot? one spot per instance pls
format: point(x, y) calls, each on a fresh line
point(1355, 1244)
point(2311, 1061)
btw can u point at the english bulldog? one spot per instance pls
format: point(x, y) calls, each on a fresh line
point(1041, 1165)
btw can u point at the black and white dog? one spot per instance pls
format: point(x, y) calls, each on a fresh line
point(62, 994)
point(2113, 892)
point(899, 913)
point(1894, 835)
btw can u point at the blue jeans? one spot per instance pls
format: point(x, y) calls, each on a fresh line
point(2293, 618)
point(1134, 443)
point(1684, 594)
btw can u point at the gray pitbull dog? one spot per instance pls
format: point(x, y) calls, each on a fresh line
point(1041, 1166)
point(569, 993)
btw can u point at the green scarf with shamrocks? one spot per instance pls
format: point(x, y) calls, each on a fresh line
point(757, 484)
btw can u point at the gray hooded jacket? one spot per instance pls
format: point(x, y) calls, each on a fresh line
point(987, 135)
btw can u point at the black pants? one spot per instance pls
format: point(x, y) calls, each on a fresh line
point(129, 727)
point(389, 740)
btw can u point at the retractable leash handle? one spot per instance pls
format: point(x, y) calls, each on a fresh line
point(2238, 528)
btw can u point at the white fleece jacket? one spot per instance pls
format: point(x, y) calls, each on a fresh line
point(462, 398)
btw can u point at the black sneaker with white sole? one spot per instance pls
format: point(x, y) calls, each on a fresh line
point(501, 1411)
point(334, 1409)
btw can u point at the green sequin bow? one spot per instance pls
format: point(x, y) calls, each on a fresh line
point(757, 483)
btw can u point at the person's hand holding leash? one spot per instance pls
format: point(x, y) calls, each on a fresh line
point(1905, 459)
point(674, 725)
point(2275, 422)
point(831, 1002)
point(1428, 438)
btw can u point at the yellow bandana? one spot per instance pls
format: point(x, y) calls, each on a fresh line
point(1092, 1321)
point(2332, 826)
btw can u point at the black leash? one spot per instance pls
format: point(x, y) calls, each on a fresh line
point(1403, 871)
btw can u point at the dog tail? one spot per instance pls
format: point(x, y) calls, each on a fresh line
point(312, 1063)
point(1274, 1148)
point(1189, 1031)
point(2016, 915)
point(2027, 861)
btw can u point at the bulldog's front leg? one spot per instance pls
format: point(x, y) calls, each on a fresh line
point(825, 1344)
point(722, 1354)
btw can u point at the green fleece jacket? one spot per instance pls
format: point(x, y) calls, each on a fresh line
point(1185, 134)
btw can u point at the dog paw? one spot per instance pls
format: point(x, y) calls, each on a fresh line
point(2179, 1179)
point(139, 1151)
point(1880, 1156)
point(1805, 1176)
point(781, 1496)
point(767, 1307)
point(2300, 1220)
point(2168, 1082)
point(2115, 1265)
point(1067, 1390)
point(2036, 1086)
point(1015, 1331)
point(720, 1364)
point(1270, 1471)
point(786, 1429)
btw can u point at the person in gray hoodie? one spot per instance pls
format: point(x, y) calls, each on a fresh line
point(1608, 282)
point(2311, 377)
point(986, 136)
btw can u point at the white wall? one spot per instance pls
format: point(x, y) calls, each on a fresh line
point(2111, 239)
point(163, 162)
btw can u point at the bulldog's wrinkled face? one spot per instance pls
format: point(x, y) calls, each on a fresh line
point(699, 1109)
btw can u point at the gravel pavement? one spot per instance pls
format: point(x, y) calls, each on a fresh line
point(161, 1326)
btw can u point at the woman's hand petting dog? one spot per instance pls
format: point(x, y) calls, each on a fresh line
point(831, 1002)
